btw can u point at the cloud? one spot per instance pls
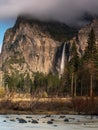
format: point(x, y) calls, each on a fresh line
point(62, 10)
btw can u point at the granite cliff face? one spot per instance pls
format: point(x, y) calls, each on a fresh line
point(84, 32)
point(32, 46)
point(27, 48)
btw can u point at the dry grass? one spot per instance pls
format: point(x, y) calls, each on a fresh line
point(85, 105)
point(79, 105)
point(38, 106)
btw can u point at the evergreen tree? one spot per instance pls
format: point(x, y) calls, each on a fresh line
point(89, 61)
point(75, 58)
point(74, 65)
point(91, 48)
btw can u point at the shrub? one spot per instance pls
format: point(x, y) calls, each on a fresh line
point(45, 95)
point(2, 92)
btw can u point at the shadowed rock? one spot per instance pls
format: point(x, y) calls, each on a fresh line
point(52, 119)
point(35, 121)
point(22, 120)
point(29, 121)
point(4, 121)
point(47, 116)
point(49, 122)
point(62, 116)
point(28, 117)
point(66, 120)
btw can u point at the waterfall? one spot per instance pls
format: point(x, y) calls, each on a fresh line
point(62, 65)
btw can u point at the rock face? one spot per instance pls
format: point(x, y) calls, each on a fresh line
point(84, 32)
point(32, 46)
point(27, 47)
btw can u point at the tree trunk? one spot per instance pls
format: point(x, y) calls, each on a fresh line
point(81, 88)
point(91, 95)
point(72, 85)
point(91, 86)
point(75, 88)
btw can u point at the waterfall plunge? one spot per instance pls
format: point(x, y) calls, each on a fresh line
point(62, 65)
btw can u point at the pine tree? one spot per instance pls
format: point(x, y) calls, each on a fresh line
point(75, 58)
point(91, 48)
point(90, 54)
point(74, 68)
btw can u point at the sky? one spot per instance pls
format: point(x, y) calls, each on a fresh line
point(68, 11)
point(4, 25)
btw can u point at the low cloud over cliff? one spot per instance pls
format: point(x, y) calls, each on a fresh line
point(62, 10)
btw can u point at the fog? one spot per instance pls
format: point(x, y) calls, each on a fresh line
point(68, 11)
